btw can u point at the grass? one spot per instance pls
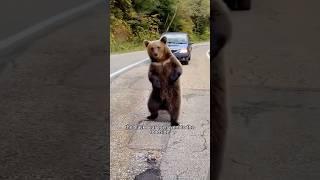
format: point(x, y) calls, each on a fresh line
point(126, 47)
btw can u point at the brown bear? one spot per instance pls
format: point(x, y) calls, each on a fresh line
point(164, 73)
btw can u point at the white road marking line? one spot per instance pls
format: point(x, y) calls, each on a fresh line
point(44, 24)
point(128, 67)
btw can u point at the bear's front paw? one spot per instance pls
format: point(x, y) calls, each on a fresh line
point(156, 83)
point(174, 76)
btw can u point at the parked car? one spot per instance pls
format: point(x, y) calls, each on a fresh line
point(180, 45)
point(238, 4)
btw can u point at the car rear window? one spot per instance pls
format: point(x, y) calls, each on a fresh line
point(176, 38)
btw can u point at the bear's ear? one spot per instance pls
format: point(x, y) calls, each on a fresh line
point(163, 39)
point(146, 43)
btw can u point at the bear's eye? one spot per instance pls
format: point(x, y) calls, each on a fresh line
point(152, 48)
point(158, 47)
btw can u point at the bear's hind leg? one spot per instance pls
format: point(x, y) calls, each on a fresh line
point(174, 114)
point(154, 107)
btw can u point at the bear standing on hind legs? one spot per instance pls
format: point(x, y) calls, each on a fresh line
point(164, 73)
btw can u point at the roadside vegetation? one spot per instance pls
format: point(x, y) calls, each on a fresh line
point(132, 21)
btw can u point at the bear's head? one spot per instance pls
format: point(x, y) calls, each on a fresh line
point(158, 50)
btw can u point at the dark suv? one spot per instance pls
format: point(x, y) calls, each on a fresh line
point(180, 45)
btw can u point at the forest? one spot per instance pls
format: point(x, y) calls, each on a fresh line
point(132, 21)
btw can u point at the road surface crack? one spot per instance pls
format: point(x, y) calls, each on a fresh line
point(205, 145)
point(181, 173)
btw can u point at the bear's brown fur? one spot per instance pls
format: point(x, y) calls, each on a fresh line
point(164, 73)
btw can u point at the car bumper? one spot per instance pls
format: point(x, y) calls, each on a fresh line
point(182, 56)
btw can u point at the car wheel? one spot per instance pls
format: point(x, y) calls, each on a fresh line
point(186, 62)
point(239, 4)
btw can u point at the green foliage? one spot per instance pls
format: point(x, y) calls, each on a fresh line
point(145, 6)
point(133, 21)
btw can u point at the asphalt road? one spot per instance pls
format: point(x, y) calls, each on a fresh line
point(119, 61)
point(273, 73)
point(16, 15)
point(53, 104)
point(180, 153)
